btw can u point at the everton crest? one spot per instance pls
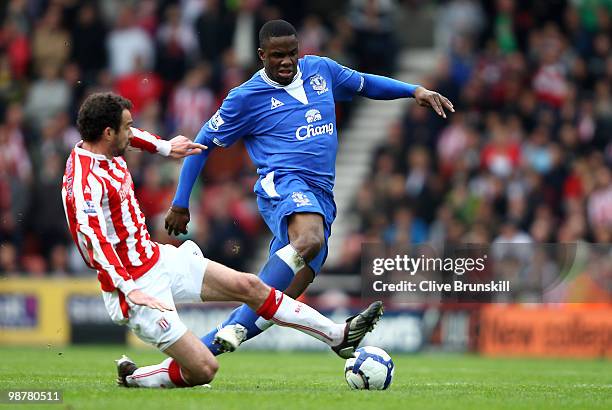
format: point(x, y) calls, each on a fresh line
point(318, 84)
point(300, 199)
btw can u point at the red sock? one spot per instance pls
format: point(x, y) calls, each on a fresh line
point(174, 372)
point(268, 309)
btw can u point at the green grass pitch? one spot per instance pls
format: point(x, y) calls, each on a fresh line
point(271, 380)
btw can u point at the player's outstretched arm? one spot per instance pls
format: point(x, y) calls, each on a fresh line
point(437, 101)
point(182, 147)
point(383, 88)
point(178, 147)
point(225, 127)
point(348, 82)
point(178, 216)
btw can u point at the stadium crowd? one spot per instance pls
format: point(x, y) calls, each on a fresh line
point(176, 61)
point(527, 157)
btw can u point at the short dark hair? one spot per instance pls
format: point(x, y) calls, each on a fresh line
point(275, 28)
point(98, 111)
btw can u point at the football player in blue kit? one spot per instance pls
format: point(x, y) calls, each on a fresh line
point(285, 114)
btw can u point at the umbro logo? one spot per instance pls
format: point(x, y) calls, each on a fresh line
point(276, 103)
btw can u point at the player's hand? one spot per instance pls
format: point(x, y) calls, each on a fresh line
point(184, 147)
point(138, 297)
point(177, 219)
point(427, 98)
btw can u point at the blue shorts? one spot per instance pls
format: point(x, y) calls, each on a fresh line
point(279, 197)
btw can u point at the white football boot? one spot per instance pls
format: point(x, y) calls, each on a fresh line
point(230, 337)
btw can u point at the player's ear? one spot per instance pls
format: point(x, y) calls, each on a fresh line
point(261, 53)
point(107, 134)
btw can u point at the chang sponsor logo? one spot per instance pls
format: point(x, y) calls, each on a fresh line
point(313, 115)
point(307, 131)
point(311, 130)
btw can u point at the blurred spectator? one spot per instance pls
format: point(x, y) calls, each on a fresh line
point(504, 26)
point(600, 200)
point(88, 46)
point(245, 41)
point(35, 265)
point(192, 102)
point(176, 46)
point(213, 28)
point(46, 213)
point(47, 97)
point(8, 259)
point(11, 90)
point(58, 261)
point(51, 45)
point(128, 45)
point(372, 21)
point(14, 41)
point(458, 18)
point(501, 155)
point(17, 12)
point(312, 35)
point(153, 195)
point(140, 86)
point(15, 179)
point(405, 229)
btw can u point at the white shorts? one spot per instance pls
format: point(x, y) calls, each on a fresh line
point(176, 277)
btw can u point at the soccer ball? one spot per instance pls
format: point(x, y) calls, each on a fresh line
point(371, 368)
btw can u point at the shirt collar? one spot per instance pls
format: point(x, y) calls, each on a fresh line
point(297, 79)
point(78, 148)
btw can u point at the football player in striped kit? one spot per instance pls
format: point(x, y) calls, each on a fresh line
point(141, 280)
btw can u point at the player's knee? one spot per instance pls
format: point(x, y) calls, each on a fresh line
point(309, 244)
point(203, 371)
point(247, 287)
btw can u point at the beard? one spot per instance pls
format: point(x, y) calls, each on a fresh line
point(119, 150)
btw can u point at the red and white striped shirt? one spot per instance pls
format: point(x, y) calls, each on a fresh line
point(104, 216)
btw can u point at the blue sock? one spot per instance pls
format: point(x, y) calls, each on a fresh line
point(278, 272)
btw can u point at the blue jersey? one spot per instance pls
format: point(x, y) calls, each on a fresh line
point(288, 129)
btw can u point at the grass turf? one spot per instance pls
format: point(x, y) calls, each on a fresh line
point(262, 380)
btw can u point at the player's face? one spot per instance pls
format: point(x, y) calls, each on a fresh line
point(122, 138)
point(280, 57)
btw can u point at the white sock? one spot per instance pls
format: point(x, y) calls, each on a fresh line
point(302, 317)
point(294, 260)
point(156, 375)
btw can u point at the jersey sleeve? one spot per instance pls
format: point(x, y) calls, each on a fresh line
point(228, 124)
point(91, 234)
point(346, 82)
point(223, 129)
point(149, 142)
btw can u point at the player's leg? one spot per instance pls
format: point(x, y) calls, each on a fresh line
point(289, 268)
point(306, 240)
point(293, 204)
point(280, 272)
point(190, 364)
point(222, 283)
point(195, 277)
